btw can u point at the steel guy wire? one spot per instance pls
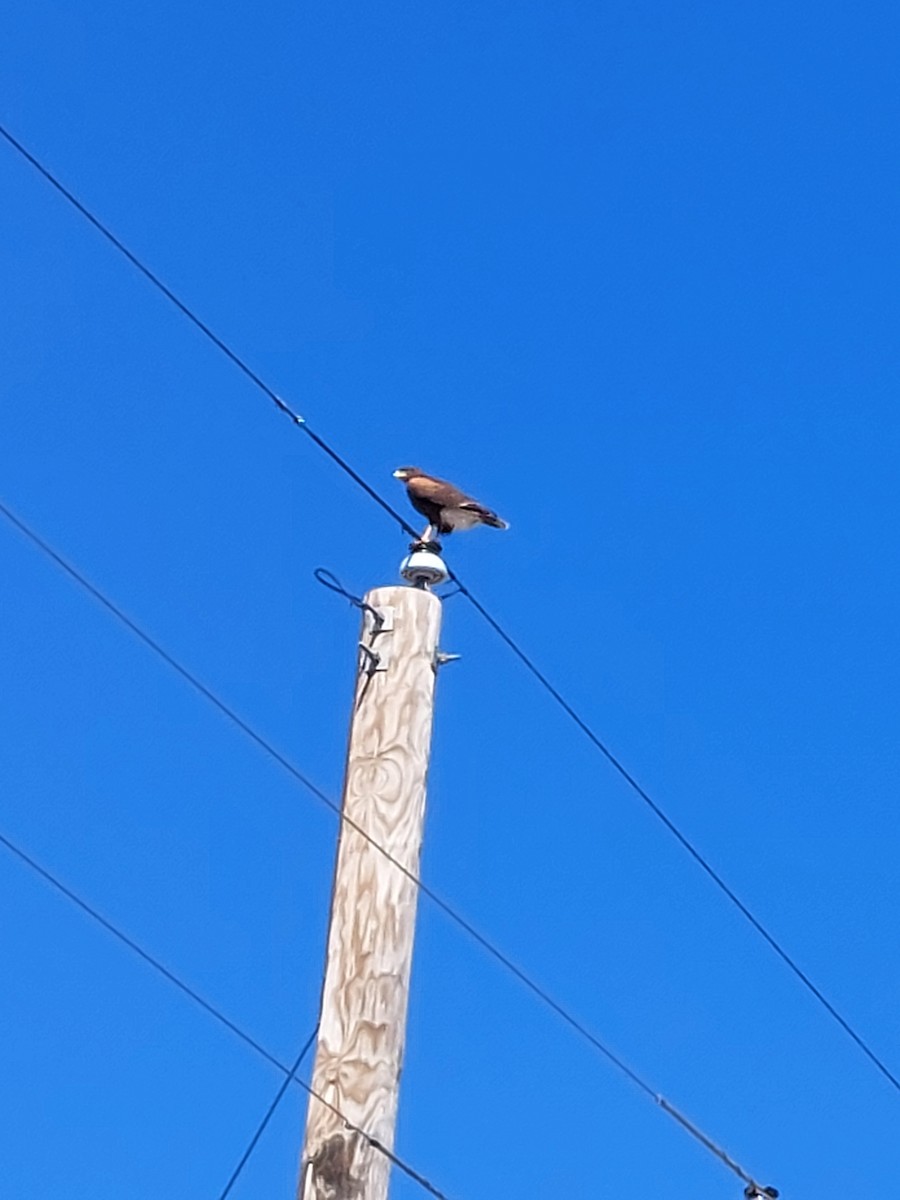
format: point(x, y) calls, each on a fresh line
point(487, 945)
point(523, 657)
point(210, 1008)
point(329, 580)
point(270, 1112)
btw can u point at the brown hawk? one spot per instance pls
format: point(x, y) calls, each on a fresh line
point(446, 507)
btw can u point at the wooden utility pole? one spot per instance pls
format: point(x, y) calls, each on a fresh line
point(373, 908)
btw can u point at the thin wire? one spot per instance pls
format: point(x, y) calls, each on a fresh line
point(425, 889)
point(139, 950)
point(148, 274)
point(357, 478)
point(270, 1112)
point(711, 1146)
point(329, 580)
point(148, 958)
point(205, 329)
point(301, 423)
point(662, 816)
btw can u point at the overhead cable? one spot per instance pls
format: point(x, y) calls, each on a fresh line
point(210, 1008)
point(301, 423)
point(507, 963)
point(270, 1112)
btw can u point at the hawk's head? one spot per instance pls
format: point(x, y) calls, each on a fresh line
point(405, 473)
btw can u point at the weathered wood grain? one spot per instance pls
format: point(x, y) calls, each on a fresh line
point(370, 941)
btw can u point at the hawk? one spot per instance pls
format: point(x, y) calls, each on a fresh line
point(446, 507)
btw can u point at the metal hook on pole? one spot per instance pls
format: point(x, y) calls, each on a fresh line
point(373, 660)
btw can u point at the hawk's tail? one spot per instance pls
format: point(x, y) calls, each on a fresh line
point(484, 515)
point(491, 518)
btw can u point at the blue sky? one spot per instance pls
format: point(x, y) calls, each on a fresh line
point(629, 273)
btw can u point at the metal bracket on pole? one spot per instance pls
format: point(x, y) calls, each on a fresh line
point(441, 658)
point(375, 651)
point(370, 661)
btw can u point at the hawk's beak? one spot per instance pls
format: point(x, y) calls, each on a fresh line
point(398, 474)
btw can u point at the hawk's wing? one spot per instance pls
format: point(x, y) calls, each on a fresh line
point(439, 492)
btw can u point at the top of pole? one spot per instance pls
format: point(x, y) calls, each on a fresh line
point(423, 567)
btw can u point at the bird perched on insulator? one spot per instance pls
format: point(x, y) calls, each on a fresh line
point(447, 508)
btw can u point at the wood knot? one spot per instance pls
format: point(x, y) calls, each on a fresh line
point(332, 1174)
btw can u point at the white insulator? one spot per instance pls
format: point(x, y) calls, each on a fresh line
point(423, 568)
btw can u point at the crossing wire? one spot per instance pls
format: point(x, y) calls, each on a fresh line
point(486, 944)
point(270, 1112)
point(125, 940)
point(526, 660)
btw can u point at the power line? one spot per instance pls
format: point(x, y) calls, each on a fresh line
point(210, 1008)
point(270, 1112)
point(486, 944)
point(301, 423)
point(241, 363)
point(683, 841)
